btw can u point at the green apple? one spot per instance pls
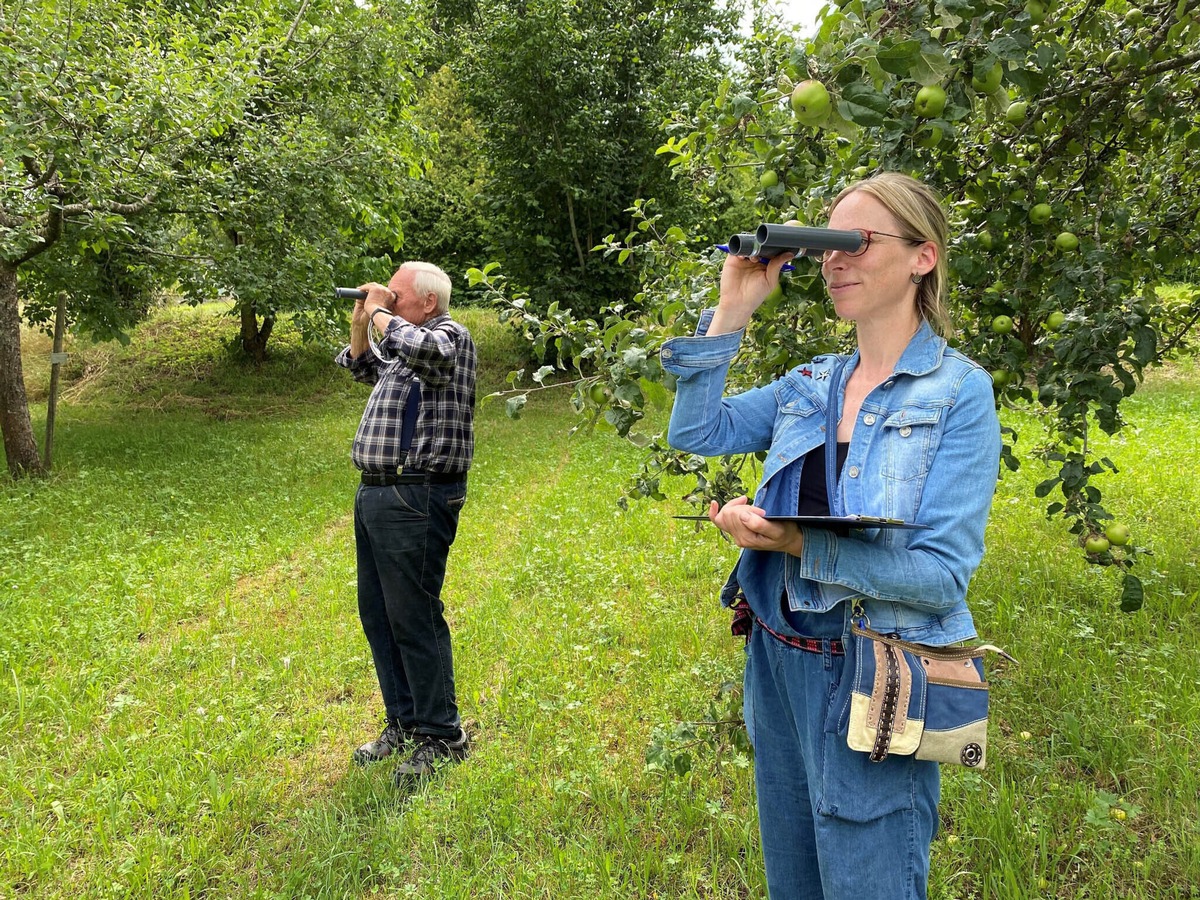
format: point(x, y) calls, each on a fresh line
point(768, 179)
point(1118, 534)
point(990, 81)
point(1116, 61)
point(1134, 17)
point(860, 171)
point(1037, 11)
point(1040, 213)
point(1015, 114)
point(1002, 324)
point(985, 239)
point(1056, 319)
point(1000, 377)
point(1137, 113)
point(930, 102)
point(1067, 242)
point(597, 393)
point(810, 102)
point(1096, 543)
point(930, 137)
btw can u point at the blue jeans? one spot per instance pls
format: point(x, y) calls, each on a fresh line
point(834, 825)
point(402, 536)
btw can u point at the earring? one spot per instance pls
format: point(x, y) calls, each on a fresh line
point(917, 278)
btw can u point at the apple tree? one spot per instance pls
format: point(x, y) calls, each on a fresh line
point(1059, 134)
point(569, 99)
point(271, 209)
point(246, 151)
point(97, 100)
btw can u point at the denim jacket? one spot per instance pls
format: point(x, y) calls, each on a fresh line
point(925, 448)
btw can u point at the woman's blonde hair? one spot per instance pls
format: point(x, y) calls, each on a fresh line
point(918, 210)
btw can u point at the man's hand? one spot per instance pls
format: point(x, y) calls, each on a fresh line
point(358, 318)
point(749, 529)
point(378, 297)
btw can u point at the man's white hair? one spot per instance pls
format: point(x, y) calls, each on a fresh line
point(429, 279)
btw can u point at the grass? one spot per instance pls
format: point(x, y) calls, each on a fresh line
point(183, 676)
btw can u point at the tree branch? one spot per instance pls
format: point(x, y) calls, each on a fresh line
point(1178, 337)
point(295, 24)
point(10, 220)
point(1169, 65)
point(304, 62)
point(39, 180)
point(128, 209)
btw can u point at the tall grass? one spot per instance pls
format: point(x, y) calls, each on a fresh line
point(182, 673)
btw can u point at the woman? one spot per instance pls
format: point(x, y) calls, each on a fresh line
point(912, 426)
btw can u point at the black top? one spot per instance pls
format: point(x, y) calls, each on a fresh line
point(813, 499)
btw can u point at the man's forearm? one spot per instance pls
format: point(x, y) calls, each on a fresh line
point(359, 342)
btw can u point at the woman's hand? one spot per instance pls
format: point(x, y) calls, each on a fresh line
point(745, 284)
point(749, 529)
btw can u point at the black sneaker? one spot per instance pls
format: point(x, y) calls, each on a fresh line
point(390, 740)
point(431, 754)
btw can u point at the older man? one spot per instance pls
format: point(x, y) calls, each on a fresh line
point(414, 447)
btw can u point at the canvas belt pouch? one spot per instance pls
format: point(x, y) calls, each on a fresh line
point(914, 699)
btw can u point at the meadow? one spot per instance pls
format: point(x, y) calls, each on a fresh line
point(183, 676)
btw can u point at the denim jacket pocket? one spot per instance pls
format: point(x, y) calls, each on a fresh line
point(909, 436)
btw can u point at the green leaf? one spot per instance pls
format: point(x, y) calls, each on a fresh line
point(898, 58)
point(864, 105)
point(514, 405)
point(1133, 595)
point(656, 393)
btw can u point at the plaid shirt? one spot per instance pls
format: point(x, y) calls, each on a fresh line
point(442, 355)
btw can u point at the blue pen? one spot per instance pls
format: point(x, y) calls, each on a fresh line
point(787, 267)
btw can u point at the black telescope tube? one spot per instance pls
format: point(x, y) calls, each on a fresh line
point(349, 294)
point(742, 245)
point(776, 239)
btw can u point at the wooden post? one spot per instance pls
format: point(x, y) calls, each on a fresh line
point(57, 358)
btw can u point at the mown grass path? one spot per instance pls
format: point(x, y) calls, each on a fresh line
point(183, 673)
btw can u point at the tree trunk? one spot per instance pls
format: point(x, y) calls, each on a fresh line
point(575, 233)
point(20, 448)
point(254, 339)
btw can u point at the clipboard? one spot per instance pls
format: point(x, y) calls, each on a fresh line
point(831, 521)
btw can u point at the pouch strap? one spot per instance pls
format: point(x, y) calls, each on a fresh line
point(888, 705)
point(928, 649)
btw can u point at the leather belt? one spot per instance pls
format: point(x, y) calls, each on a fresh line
point(411, 476)
point(743, 623)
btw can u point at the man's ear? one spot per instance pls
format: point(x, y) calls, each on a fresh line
point(431, 304)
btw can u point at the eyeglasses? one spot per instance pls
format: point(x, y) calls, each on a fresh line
point(868, 235)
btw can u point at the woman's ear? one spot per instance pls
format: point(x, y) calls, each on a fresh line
point(927, 257)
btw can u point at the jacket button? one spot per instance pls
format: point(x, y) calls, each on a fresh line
point(853, 471)
point(905, 431)
point(666, 353)
point(869, 419)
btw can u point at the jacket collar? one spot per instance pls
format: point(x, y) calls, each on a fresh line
point(922, 355)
